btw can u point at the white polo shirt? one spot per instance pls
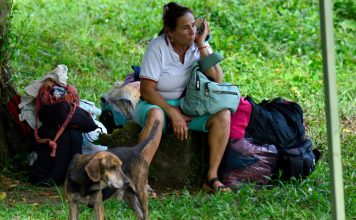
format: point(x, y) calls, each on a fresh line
point(161, 64)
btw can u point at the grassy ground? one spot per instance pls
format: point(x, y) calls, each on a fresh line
point(271, 48)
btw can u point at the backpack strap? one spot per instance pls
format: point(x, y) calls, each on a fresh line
point(209, 61)
point(296, 167)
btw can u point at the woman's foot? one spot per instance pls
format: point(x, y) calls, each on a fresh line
point(151, 193)
point(214, 185)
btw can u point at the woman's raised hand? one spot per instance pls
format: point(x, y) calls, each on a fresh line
point(200, 38)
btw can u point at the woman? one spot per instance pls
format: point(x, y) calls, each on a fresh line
point(165, 71)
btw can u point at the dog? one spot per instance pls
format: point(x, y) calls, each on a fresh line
point(135, 167)
point(91, 179)
point(87, 176)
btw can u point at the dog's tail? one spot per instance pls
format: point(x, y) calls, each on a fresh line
point(145, 142)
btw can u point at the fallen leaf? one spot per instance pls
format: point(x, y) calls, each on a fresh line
point(45, 193)
point(12, 185)
point(296, 91)
point(2, 196)
point(347, 130)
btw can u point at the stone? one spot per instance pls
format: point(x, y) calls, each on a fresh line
point(177, 164)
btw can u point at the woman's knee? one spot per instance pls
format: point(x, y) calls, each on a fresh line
point(153, 115)
point(222, 117)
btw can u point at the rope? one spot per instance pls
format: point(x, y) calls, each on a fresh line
point(43, 96)
point(52, 143)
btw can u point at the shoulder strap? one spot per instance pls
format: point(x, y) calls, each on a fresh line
point(209, 61)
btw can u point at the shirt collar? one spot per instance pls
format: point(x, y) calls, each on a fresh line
point(192, 48)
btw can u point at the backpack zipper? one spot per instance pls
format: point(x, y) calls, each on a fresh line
point(219, 91)
point(197, 83)
point(224, 92)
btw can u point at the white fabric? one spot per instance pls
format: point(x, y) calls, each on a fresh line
point(27, 105)
point(28, 114)
point(161, 64)
point(90, 107)
point(59, 74)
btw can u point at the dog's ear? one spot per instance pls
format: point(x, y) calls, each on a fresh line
point(77, 176)
point(93, 169)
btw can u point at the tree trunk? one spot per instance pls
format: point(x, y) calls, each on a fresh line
point(6, 89)
point(4, 148)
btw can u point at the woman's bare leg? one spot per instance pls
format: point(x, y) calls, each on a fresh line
point(150, 150)
point(152, 115)
point(219, 132)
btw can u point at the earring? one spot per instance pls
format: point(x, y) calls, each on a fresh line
point(170, 38)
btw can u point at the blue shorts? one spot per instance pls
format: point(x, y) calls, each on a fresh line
point(197, 124)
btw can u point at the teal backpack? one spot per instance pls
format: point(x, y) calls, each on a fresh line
point(204, 96)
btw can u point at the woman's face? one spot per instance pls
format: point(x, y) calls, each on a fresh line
point(185, 31)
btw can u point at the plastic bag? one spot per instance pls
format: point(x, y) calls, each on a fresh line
point(245, 161)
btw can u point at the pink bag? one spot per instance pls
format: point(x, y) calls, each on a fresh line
point(240, 119)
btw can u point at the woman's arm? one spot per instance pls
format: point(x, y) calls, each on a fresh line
point(150, 94)
point(215, 72)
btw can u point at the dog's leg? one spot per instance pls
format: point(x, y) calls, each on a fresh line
point(138, 199)
point(143, 199)
point(141, 182)
point(99, 211)
point(73, 210)
point(141, 187)
point(99, 207)
point(132, 200)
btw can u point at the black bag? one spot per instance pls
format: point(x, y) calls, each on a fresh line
point(280, 122)
point(277, 121)
point(55, 114)
point(48, 170)
point(298, 161)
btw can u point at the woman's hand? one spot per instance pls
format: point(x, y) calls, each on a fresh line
point(179, 123)
point(178, 119)
point(215, 72)
point(200, 38)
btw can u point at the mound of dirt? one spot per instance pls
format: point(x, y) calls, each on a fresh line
point(13, 191)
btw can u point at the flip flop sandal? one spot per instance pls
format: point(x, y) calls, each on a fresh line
point(209, 186)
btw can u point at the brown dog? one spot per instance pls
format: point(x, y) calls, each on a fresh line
point(135, 168)
point(87, 176)
point(134, 176)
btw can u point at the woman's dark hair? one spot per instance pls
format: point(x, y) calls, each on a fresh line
point(171, 12)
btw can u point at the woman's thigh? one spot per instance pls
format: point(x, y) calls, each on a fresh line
point(199, 123)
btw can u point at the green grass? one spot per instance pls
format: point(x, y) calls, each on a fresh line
point(271, 48)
